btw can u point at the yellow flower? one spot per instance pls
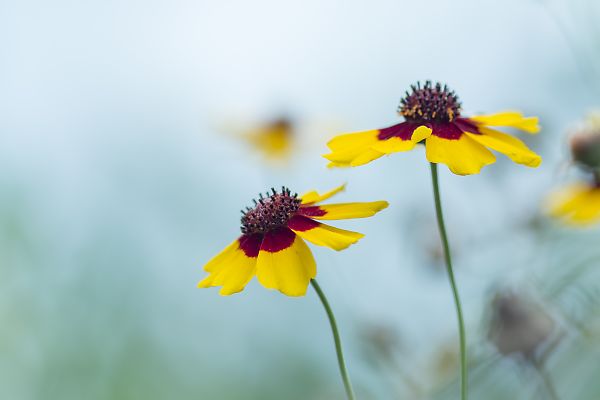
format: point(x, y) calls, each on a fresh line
point(272, 245)
point(432, 115)
point(274, 139)
point(578, 204)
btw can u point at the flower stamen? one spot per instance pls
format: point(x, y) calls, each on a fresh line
point(430, 103)
point(270, 212)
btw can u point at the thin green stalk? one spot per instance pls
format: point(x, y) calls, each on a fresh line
point(448, 258)
point(546, 380)
point(336, 339)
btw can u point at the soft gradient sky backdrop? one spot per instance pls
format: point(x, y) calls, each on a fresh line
point(119, 184)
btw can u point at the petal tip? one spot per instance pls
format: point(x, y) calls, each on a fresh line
point(333, 165)
point(534, 125)
point(330, 141)
point(384, 204)
point(536, 162)
point(203, 284)
point(421, 133)
point(358, 236)
point(229, 291)
point(355, 240)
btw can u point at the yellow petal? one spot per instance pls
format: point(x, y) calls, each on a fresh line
point(339, 160)
point(314, 197)
point(351, 140)
point(232, 268)
point(578, 204)
point(344, 210)
point(289, 270)
point(338, 165)
point(353, 149)
point(393, 145)
point(365, 157)
point(463, 156)
point(562, 201)
point(421, 133)
point(272, 141)
point(512, 147)
point(513, 119)
point(396, 144)
point(322, 234)
point(353, 157)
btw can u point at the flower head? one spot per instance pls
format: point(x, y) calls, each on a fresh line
point(274, 139)
point(430, 103)
point(518, 325)
point(272, 245)
point(432, 114)
point(579, 203)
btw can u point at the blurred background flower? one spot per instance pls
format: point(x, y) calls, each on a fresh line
point(274, 139)
point(579, 203)
point(519, 326)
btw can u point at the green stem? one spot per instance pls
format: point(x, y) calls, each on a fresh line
point(546, 380)
point(336, 339)
point(448, 258)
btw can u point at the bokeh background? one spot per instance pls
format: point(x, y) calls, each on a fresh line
point(122, 172)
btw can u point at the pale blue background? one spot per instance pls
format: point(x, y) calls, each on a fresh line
point(118, 184)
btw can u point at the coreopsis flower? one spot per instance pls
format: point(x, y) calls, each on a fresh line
point(432, 116)
point(272, 245)
point(273, 139)
point(579, 203)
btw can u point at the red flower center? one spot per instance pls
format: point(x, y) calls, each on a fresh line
point(270, 212)
point(430, 103)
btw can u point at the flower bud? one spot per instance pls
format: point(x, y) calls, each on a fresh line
point(519, 326)
point(585, 143)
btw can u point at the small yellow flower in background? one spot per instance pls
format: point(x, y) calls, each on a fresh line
point(579, 203)
point(432, 115)
point(272, 245)
point(274, 139)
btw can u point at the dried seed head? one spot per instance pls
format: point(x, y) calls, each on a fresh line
point(519, 325)
point(430, 103)
point(270, 212)
point(585, 148)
